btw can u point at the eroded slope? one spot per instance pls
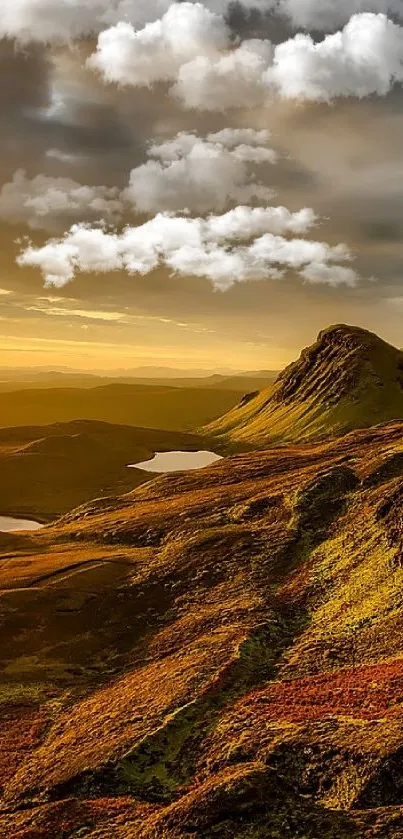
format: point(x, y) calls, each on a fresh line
point(349, 378)
point(218, 654)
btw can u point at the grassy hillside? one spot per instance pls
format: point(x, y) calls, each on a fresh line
point(217, 655)
point(47, 470)
point(348, 379)
point(156, 406)
point(246, 383)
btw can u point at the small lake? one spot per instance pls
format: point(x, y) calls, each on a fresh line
point(177, 461)
point(10, 525)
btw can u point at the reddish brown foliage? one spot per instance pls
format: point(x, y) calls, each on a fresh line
point(364, 692)
point(21, 730)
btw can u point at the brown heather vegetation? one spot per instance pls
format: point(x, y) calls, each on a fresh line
point(216, 655)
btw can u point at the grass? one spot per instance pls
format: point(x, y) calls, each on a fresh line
point(215, 654)
point(151, 406)
point(348, 379)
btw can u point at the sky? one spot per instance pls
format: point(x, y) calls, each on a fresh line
point(197, 185)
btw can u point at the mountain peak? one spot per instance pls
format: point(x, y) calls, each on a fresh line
point(340, 333)
point(349, 378)
point(334, 366)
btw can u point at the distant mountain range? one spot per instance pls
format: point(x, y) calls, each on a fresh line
point(160, 406)
point(11, 380)
point(38, 373)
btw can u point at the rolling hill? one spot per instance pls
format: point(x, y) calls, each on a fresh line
point(11, 380)
point(348, 379)
point(216, 655)
point(47, 470)
point(149, 406)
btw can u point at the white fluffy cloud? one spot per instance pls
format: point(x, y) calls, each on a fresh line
point(155, 53)
point(50, 20)
point(197, 175)
point(218, 248)
point(248, 222)
point(187, 173)
point(235, 79)
point(64, 20)
point(232, 137)
point(366, 57)
point(192, 48)
point(42, 202)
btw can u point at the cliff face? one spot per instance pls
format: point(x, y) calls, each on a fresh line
point(217, 654)
point(341, 361)
point(349, 378)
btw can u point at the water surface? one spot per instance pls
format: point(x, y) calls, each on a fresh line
point(176, 461)
point(10, 525)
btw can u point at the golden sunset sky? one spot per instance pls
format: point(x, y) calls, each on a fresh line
point(61, 119)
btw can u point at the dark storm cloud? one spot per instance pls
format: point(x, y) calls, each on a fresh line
point(254, 23)
point(24, 85)
point(39, 113)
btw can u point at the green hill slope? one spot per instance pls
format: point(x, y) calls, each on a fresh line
point(348, 379)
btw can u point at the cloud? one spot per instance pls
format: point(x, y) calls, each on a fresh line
point(327, 15)
point(141, 57)
point(230, 138)
point(41, 202)
point(63, 157)
point(236, 79)
point(192, 48)
point(333, 275)
point(47, 21)
point(193, 174)
point(248, 222)
point(185, 174)
point(218, 248)
point(366, 57)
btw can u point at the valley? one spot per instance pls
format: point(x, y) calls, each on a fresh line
point(46, 470)
point(216, 653)
point(164, 407)
point(201, 419)
point(212, 653)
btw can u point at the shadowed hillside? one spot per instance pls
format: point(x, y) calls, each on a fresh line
point(348, 379)
point(47, 470)
point(218, 654)
point(150, 406)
